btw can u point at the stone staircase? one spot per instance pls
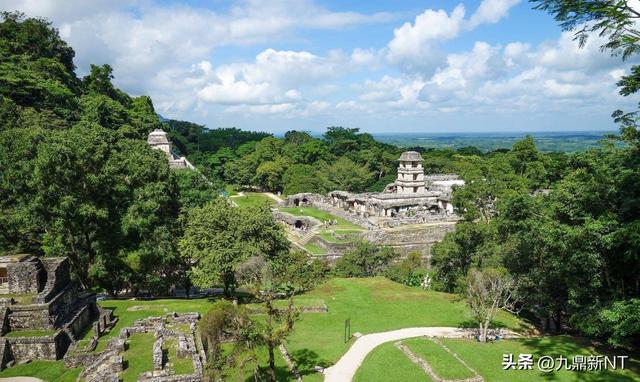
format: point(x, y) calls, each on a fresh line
point(304, 239)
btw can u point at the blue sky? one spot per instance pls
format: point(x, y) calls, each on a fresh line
point(381, 66)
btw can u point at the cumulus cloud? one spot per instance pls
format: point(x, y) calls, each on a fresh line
point(490, 12)
point(416, 46)
point(413, 43)
point(515, 78)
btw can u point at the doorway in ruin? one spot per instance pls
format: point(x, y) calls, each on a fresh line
point(296, 202)
point(299, 224)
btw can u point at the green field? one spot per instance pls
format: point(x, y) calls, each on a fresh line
point(315, 249)
point(252, 199)
point(444, 365)
point(387, 363)
point(50, 371)
point(373, 305)
point(486, 359)
point(139, 356)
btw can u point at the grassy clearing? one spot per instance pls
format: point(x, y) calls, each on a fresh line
point(329, 237)
point(139, 356)
point(388, 364)
point(315, 249)
point(442, 363)
point(373, 305)
point(46, 370)
point(252, 199)
point(486, 359)
point(30, 333)
point(321, 215)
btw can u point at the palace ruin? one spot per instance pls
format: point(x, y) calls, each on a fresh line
point(157, 139)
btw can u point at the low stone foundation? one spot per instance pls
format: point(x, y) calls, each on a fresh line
point(47, 348)
point(106, 365)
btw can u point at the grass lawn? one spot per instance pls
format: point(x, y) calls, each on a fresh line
point(179, 365)
point(315, 249)
point(373, 305)
point(47, 370)
point(329, 237)
point(442, 363)
point(252, 199)
point(486, 359)
point(388, 363)
point(138, 358)
point(322, 216)
point(30, 333)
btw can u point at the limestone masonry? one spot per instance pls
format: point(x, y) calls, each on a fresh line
point(158, 140)
point(42, 311)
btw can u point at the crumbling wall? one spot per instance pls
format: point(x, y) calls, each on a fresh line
point(26, 276)
point(30, 348)
point(30, 317)
point(417, 239)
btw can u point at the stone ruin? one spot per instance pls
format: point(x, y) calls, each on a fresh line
point(157, 139)
point(38, 294)
point(106, 366)
point(414, 198)
point(410, 214)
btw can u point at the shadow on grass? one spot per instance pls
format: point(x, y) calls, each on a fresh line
point(282, 374)
point(306, 360)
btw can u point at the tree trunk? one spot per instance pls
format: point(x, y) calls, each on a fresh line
point(272, 364)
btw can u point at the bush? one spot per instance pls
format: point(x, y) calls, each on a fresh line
point(365, 260)
point(618, 323)
point(409, 271)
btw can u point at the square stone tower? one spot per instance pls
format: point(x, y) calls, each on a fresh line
point(410, 174)
point(158, 140)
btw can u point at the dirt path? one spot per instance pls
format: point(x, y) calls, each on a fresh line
point(21, 379)
point(345, 368)
point(274, 197)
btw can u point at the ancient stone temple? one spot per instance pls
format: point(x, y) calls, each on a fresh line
point(158, 140)
point(410, 215)
point(413, 198)
point(42, 310)
point(410, 174)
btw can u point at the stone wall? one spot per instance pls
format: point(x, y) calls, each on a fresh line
point(26, 276)
point(419, 239)
point(48, 348)
point(81, 320)
point(57, 275)
point(306, 221)
point(30, 317)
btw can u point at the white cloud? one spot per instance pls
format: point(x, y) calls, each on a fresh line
point(517, 78)
point(275, 78)
point(490, 12)
point(414, 42)
point(416, 46)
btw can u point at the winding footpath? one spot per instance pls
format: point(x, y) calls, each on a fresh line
point(345, 368)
